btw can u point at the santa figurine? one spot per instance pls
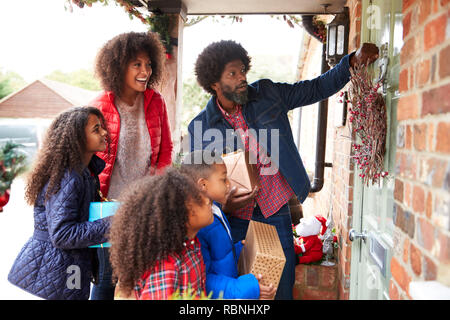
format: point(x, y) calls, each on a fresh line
point(308, 247)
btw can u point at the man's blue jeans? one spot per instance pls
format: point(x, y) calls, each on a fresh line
point(104, 290)
point(282, 221)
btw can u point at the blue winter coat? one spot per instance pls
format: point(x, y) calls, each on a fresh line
point(221, 256)
point(55, 263)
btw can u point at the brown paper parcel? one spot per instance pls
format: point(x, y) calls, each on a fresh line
point(241, 174)
point(262, 253)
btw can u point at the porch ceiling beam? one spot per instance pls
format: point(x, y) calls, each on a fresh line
point(238, 7)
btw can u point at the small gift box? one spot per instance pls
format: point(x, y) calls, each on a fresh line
point(99, 210)
point(262, 253)
point(241, 174)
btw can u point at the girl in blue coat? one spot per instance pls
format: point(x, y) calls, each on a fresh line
point(219, 252)
point(55, 263)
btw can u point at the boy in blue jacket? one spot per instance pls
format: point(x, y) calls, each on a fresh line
point(219, 252)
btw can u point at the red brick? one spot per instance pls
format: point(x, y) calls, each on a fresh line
point(403, 80)
point(312, 276)
point(328, 277)
point(420, 136)
point(406, 250)
point(300, 274)
point(445, 2)
point(430, 138)
point(409, 50)
point(400, 275)
point(398, 190)
point(432, 172)
point(429, 269)
point(435, 6)
point(408, 195)
point(444, 65)
point(407, 24)
point(436, 101)
point(393, 292)
point(434, 32)
point(418, 199)
point(297, 292)
point(429, 205)
point(426, 234)
point(444, 248)
point(443, 137)
point(416, 260)
point(407, 4)
point(408, 139)
point(315, 294)
point(424, 10)
point(408, 107)
point(411, 71)
point(423, 73)
point(406, 165)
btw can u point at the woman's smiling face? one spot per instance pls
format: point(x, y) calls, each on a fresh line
point(137, 74)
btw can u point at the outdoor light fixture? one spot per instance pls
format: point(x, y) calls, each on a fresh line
point(337, 37)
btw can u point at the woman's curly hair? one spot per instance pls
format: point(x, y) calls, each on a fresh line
point(62, 149)
point(113, 58)
point(150, 224)
point(211, 62)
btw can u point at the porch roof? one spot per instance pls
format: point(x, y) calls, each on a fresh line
point(237, 7)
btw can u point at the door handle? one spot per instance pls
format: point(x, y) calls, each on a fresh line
point(383, 65)
point(352, 235)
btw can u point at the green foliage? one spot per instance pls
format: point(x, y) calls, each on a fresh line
point(160, 23)
point(80, 78)
point(12, 163)
point(10, 82)
point(189, 295)
point(194, 100)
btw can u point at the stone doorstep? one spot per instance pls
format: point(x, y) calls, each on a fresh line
point(316, 282)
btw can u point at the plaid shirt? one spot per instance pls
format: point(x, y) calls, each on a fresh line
point(274, 191)
point(177, 272)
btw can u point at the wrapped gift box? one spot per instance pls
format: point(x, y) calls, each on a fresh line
point(99, 210)
point(241, 174)
point(262, 253)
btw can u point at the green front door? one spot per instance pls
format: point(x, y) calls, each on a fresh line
point(374, 205)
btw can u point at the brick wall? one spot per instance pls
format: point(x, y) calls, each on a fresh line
point(337, 193)
point(422, 185)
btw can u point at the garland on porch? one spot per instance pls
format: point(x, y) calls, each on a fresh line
point(159, 22)
point(368, 120)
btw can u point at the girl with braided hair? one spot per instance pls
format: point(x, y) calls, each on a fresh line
point(154, 247)
point(55, 263)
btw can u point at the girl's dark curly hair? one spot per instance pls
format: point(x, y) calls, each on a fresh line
point(62, 149)
point(211, 62)
point(113, 58)
point(150, 224)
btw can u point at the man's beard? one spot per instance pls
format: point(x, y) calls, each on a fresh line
point(232, 95)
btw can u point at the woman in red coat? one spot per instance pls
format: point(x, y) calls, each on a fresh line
point(129, 66)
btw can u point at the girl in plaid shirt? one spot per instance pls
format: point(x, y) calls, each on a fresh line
point(154, 247)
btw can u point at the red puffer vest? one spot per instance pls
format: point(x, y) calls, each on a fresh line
point(158, 128)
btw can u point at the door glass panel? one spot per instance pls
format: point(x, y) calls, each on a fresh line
point(377, 201)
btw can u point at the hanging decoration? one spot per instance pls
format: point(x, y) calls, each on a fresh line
point(368, 120)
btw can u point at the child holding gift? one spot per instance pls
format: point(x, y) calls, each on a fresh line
point(55, 263)
point(219, 252)
point(154, 248)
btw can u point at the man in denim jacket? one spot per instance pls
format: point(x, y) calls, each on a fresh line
point(254, 118)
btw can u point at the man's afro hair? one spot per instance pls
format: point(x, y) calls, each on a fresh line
point(211, 62)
